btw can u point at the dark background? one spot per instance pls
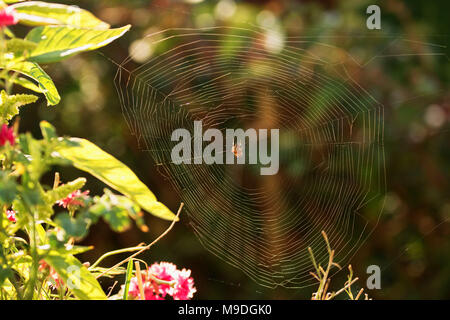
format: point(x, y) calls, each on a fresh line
point(411, 242)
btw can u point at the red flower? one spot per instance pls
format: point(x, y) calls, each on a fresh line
point(73, 199)
point(162, 280)
point(6, 135)
point(11, 215)
point(8, 17)
point(55, 280)
point(184, 287)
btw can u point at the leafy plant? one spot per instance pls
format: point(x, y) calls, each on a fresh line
point(323, 277)
point(40, 224)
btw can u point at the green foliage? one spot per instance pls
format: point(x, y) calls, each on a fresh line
point(88, 157)
point(37, 13)
point(37, 251)
point(45, 83)
point(128, 276)
point(63, 31)
point(55, 43)
point(9, 105)
point(84, 285)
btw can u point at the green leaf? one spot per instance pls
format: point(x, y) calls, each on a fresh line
point(38, 13)
point(8, 32)
point(128, 279)
point(55, 43)
point(8, 188)
point(115, 210)
point(73, 227)
point(9, 105)
point(20, 48)
point(88, 157)
point(23, 82)
point(48, 131)
point(76, 276)
point(5, 273)
point(64, 190)
point(34, 71)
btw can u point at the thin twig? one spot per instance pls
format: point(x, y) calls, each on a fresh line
point(112, 288)
point(348, 285)
point(139, 278)
point(146, 247)
point(56, 181)
point(359, 294)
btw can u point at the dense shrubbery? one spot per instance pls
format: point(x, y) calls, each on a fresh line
point(39, 224)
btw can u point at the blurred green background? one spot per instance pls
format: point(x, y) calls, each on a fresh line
point(411, 242)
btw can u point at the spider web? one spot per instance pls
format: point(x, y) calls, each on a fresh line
point(331, 145)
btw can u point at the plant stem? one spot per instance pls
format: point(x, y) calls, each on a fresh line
point(146, 247)
point(114, 252)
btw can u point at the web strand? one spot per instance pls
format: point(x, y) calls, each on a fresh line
point(331, 146)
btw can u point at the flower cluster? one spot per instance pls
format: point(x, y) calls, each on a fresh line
point(162, 280)
point(54, 280)
point(7, 135)
point(73, 199)
point(11, 215)
point(8, 17)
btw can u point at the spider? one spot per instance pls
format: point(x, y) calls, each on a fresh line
point(237, 150)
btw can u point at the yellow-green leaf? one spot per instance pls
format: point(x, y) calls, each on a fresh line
point(88, 157)
point(76, 276)
point(55, 43)
point(23, 82)
point(38, 13)
point(9, 105)
point(45, 83)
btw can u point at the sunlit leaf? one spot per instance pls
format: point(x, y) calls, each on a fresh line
point(48, 131)
point(64, 190)
point(9, 105)
point(55, 43)
point(76, 276)
point(19, 47)
point(88, 157)
point(45, 83)
point(37, 13)
point(129, 274)
point(23, 82)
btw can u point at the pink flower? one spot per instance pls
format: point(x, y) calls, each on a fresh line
point(162, 280)
point(6, 135)
point(11, 215)
point(73, 199)
point(8, 17)
point(163, 271)
point(184, 286)
point(149, 292)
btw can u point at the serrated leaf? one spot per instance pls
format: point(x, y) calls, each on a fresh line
point(20, 48)
point(45, 83)
point(88, 157)
point(55, 43)
point(38, 13)
point(76, 276)
point(9, 105)
point(64, 190)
